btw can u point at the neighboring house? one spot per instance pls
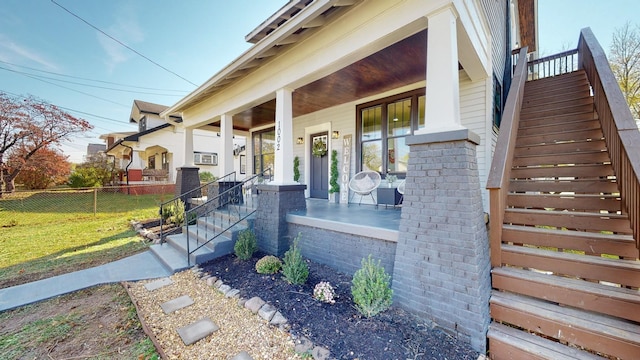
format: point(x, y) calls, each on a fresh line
point(417, 89)
point(151, 153)
point(95, 151)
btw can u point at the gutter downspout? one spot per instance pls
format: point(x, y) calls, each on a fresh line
point(126, 169)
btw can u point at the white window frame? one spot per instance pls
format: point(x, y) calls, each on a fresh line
point(205, 158)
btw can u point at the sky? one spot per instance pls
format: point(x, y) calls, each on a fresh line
point(53, 54)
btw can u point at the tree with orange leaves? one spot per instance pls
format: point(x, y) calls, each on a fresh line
point(26, 127)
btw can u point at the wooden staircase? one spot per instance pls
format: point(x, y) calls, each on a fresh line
point(567, 284)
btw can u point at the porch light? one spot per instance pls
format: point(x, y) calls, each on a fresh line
point(335, 134)
point(299, 140)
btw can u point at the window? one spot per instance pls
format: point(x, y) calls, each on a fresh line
point(201, 158)
point(151, 162)
point(165, 161)
point(264, 150)
point(142, 124)
point(383, 127)
point(497, 102)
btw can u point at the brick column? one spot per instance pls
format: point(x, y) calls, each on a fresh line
point(274, 202)
point(186, 180)
point(442, 268)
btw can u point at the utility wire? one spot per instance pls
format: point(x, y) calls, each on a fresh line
point(81, 84)
point(87, 79)
point(64, 87)
point(121, 43)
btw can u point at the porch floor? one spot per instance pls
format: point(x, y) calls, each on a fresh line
point(363, 220)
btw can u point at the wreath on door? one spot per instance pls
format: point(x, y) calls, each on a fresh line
point(319, 148)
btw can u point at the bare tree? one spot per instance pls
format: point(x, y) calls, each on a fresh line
point(27, 126)
point(625, 63)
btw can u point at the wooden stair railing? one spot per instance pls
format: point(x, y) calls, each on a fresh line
point(499, 175)
point(620, 130)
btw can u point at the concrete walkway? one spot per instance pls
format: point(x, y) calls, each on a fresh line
point(137, 267)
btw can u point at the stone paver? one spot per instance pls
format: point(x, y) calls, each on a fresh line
point(176, 304)
point(154, 285)
point(242, 356)
point(196, 331)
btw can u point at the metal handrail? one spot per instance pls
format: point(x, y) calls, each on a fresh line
point(223, 212)
point(185, 197)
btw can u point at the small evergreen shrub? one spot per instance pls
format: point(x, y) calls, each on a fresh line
point(294, 268)
point(174, 212)
point(246, 245)
point(371, 289)
point(296, 169)
point(206, 177)
point(268, 265)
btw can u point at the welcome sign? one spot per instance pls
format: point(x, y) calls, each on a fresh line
point(346, 168)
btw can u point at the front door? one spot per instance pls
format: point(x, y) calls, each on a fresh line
point(319, 177)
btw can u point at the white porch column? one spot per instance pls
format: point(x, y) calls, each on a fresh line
point(442, 111)
point(283, 172)
point(188, 147)
point(226, 155)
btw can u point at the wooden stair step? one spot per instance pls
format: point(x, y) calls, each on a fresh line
point(508, 343)
point(599, 333)
point(559, 119)
point(616, 271)
point(603, 299)
point(583, 185)
point(557, 103)
point(560, 136)
point(585, 157)
point(563, 147)
point(591, 202)
point(616, 223)
point(529, 128)
point(578, 171)
point(589, 242)
point(537, 112)
point(554, 95)
point(569, 79)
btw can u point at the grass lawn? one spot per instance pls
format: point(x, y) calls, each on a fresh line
point(47, 234)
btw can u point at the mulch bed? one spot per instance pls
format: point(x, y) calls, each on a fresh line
point(393, 334)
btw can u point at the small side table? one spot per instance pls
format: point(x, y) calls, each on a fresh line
point(388, 196)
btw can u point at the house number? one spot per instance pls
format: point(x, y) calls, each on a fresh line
point(278, 133)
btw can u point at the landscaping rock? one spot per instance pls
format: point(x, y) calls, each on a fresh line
point(320, 353)
point(267, 311)
point(242, 356)
point(218, 283)
point(254, 304)
point(278, 319)
point(212, 280)
point(233, 293)
point(303, 345)
point(241, 302)
point(224, 289)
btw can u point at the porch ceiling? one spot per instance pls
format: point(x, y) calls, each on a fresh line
point(400, 64)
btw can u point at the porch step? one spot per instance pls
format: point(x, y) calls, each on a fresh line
point(576, 170)
point(591, 331)
point(570, 220)
point(556, 102)
point(614, 271)
point(572, 79)
point(565, 201)
point(555, 95)
point(559, 136)
point(221, 246)
point(587, 242)
point(507, 343)
point(537, 112)
point(610, 300)
point(570, 158)
point(558, 123)
point(583, 185)
point(172, 259)
point(574, 146)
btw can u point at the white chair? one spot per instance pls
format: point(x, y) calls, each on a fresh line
point(364, 183)
point(401, 190)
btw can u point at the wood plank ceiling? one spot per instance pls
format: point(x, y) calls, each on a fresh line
point(397, 65)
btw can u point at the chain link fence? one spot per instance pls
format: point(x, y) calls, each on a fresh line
point(84, 200)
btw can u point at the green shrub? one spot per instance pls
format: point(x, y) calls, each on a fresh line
point(246, 245)
point(206, 177)
point(334, 187)
point(294, 268)
point(296, 169)
point(371, 290)
point(268, 265)
point(174, 212)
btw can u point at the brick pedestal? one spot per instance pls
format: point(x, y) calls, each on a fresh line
point(274, 202)
point(442, 267)
point(186, 180)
